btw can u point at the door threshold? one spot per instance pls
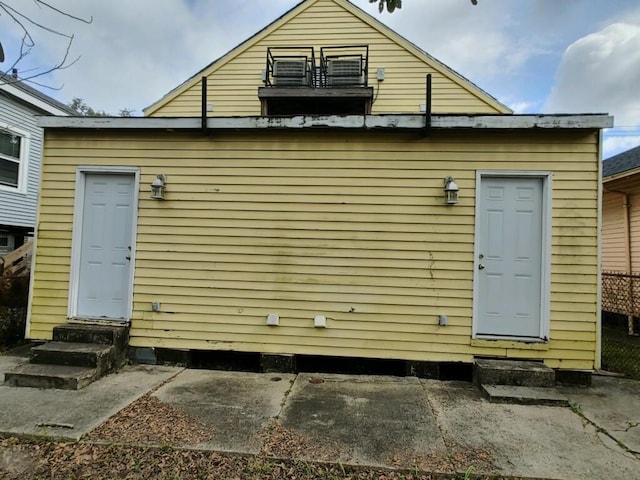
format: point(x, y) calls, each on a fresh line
point(510, 339)
point(109, 322)
point(510, 342)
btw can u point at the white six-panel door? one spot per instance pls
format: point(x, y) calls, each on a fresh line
point(510, 254)
point(104, 263)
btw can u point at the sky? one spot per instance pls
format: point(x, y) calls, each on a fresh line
point(536, 56)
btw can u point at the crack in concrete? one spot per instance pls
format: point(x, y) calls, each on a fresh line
point(268, 431)
point(606, 433)
point(626, 453)
point(285, 396)
point(630, 425)
point(452, 448)
point(438, 423)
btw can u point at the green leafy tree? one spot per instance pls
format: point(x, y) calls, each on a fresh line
point(392, 5)
point(80, 106)
point(84, 110)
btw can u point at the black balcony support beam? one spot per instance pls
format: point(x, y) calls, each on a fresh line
point(204, 104)
point(428, 106)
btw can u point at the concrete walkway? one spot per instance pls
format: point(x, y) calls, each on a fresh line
point(376, 421)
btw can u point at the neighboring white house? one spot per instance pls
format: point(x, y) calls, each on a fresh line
point(21, 157)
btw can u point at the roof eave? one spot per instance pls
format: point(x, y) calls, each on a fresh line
point(37, 100)
point(621, 175)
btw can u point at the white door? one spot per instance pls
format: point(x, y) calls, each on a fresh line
point(105, 246)
point(510, 255)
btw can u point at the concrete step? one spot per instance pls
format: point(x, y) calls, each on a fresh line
point(524, 395)
point(100, 334)
point(50, 376)
point(91, 355)
point(513, 372)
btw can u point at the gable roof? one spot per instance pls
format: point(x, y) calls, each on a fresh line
point(357, 12)
point(623, 162)
point(33, 97)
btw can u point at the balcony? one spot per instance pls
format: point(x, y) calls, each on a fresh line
point(297, 84)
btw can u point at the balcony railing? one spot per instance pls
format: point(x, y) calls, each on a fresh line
point(290, 67)
point(338, 67)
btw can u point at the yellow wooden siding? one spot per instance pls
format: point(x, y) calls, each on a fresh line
point(347, 225)
point(614, 236)
point(233, 87)
point(614, 246)
point(634, 224)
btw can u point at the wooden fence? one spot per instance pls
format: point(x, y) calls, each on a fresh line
point(621, 294)
point(18, 262)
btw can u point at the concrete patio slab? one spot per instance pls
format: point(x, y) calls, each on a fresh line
point(367, 420)
point(614, 405)
point(236, 406)
point(524, 440)
point(66, 414)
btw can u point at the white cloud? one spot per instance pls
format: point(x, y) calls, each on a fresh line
point(522, 106)
point(601, 73)
point(475, 41)
point(613, 145)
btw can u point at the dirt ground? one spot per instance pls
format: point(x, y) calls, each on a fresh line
point(24, 459)
point(151, 440)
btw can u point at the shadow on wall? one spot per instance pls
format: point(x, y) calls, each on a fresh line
point(14, 296)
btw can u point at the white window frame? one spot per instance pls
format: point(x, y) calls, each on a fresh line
point(23, 165)
point(11, 242)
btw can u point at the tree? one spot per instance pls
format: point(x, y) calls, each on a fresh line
point(84, 110)
point(80, 106)
point(390, 4)
point(393, 4)
point(28, 26)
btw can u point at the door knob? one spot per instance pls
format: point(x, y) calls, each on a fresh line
point(481, 267)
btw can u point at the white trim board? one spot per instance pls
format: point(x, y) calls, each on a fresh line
point(34, 101)
point(601, 187)
point(387, 122)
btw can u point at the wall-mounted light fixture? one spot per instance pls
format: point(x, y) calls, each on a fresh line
point(158, 187)
point(450, 191)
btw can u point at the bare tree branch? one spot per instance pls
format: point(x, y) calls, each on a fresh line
point(29, 26)
point(67, 14)
point(16, 13)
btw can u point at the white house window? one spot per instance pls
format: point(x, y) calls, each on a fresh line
point(7, 242)
point(11, 146)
